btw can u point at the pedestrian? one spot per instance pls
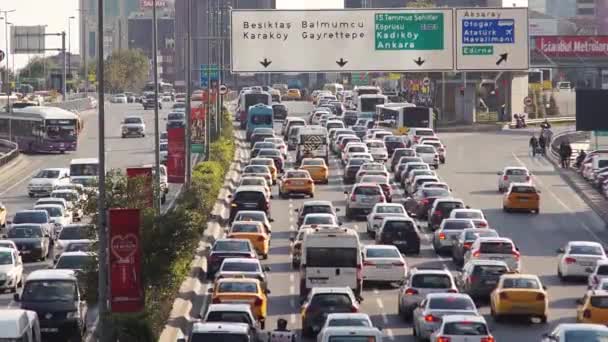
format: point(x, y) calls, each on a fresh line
point(533, 145)
point(281, 333)
point(542, 143)
point(580, 158)
point(563, 153)
point(568, 154)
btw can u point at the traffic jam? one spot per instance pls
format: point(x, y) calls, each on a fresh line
point(395, 204)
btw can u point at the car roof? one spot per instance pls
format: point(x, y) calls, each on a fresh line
point(242, 260)
point(348, 315)
point(448, 199)
point(48, 206)
point(361, 331)
point(379, 247)
point(319, 215)
point(77, 253)
point(599, 293)
point(398, 218)
point(315, 203)
point(582, 326)
point(59, 191)
point(487, 262)
point(52, 274)
point(234, 223)
point(494, 239)
point(441, 271)
point(584, 243)
point(366, 185)
point(54, 169)
point(515, 168)
point(238, 280)
point(6, 249)
point(447, 295)
point(520, 276)
point(243, 188)
point(229, 307)
point(257, 212)
point(383, 204)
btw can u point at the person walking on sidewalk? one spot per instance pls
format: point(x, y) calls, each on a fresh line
point(533, 145)
point(565, 151)
point(542, 143)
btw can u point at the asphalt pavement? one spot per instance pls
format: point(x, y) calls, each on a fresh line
point(120, 153)
point(472, 163)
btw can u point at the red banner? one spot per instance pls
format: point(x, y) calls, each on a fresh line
point(126, 288)
point(572, 46)
point(147, 174)
point(176, 156)
point(198, 113)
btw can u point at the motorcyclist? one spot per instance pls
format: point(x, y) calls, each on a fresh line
point(281, 333)
point(533, 144)
point(545, 125)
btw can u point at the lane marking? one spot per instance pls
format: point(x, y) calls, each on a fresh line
point(292, 289)
point(26, 178)
point(291, 277)
point(292, 318)
point(389, 333)
point(290, 219)
point(380, 304)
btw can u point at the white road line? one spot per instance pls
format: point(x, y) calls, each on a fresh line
point(292, 289)
point(389, 333)
point(291, 227)
point(380, 304)
point(291, 277)
point(292, 318)
point(290, 219)
point(26, 178)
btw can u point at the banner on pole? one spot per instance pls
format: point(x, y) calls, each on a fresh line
point(176, 157)
point(126, 287)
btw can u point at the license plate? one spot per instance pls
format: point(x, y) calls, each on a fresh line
point(25, 252)
point(400, 242)
point(495, 258)
point(298, 183)
point(523, 199)
point(367, 200)
point(490, 282)
point(49, 329)
point(586, 263)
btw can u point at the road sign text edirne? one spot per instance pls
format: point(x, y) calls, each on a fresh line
point(342, 40)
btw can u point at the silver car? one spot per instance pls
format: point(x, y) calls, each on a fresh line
point(428, 315)
point(428, 153)
point(420, 283)
point(513, 174)
point(362, 199)
point(449, 230)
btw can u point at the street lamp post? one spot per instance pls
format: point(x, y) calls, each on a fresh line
point(8, 84)
point(156, 123)
point(69, 45)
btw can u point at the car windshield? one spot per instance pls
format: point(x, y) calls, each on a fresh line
point(457, 225)
point(237, 286)
point(487, 270)
point(269, 152)
point(320, 209)
point(520, 283)
point(30, 217)
point(367, 191)
point(251, 216)
point(6, 258)
point(382, 253)
point(256, 169)
point(47, 174)
point(296, 174)
point(451, 303)
point(49, 291)
point(245, 228)
point(73, 233)
point(465, 328)
point(231, 246)
point(79, 247)
point(133, 120)
point(425, 149)
point(390, 209)
point(74, 262)
point(319, 219)
point(176, 116)
point(32, 232)
point(53, 211)
point(348, 322)
point(240, 267)
point(586, 336)
point(431, 281)
point(586, 250)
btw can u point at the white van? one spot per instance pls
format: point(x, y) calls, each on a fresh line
point(331, 257)
point(19, 325)
point(367, 334)
point(84, 171)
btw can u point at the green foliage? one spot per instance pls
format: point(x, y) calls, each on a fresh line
point(126, 70)
point(37, 67)
point(132, 327)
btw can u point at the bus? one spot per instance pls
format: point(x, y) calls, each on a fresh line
point(366, 104)
point(404, 115)
point(249, 98)
point(84, 171)
point(163, 87)
point(366, 90)
point(259, 116)
point(39, 129)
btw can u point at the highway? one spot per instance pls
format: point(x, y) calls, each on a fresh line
point(120, 153)
point(472, 162)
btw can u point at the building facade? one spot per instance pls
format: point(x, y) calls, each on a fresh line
point(140, 37)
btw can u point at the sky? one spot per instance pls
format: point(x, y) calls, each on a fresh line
point(54, 13)
point(305, 4)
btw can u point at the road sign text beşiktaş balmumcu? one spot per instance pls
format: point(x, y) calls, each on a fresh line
point(341, 40)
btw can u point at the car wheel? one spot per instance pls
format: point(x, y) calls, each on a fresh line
point(537, 211)
point(312, 195)
point(560, 274)
point(30, 194)
point(543, 319)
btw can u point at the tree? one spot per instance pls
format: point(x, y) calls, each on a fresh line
point(126, 70)
point(37, 67)
point(420, 4)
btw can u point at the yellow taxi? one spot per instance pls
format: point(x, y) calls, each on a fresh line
point(296, 182)
point(519, 295)
point(293, 94)
point(593, 308)
point(242, 291)
point(267, 162)
point(253, 231)
point(316, 167)
point(521, 196)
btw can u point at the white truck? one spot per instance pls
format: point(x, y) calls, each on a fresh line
point(19, 325)
point(312, 143)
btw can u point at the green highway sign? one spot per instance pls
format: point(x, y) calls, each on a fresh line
point(409, 31)
point(477, 50)
point(197, 148)
point(359, 79)
point(601, 133)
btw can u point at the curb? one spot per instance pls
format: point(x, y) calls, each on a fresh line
point(184, 308)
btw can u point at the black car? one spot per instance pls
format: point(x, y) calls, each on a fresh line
point(441, 209)
point(393, 142)
point(422, 200)
point(401, 152)
point(148, 101)
point(279, 111)
point(32, 240)
point(402, 164)
point(480, 278)
point(248, 198)
point(56, 297)
point(176, 120)
point(351, 169)
point(227, 248)
point(258, 137)
point(259, 146)
point(400, 232)
point(323, 302)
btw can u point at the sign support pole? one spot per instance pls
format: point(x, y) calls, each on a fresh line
point(188, 96)
point(156, 124)
point(64, 69)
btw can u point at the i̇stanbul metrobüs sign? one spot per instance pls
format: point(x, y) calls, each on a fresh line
point(342, 40)
point(572, 46)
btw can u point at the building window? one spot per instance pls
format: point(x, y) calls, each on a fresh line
point(585, 11)
point(92, 43)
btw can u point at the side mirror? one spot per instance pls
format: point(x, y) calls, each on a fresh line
point(292, 239)
point(560, 251)
point(499, 173)
point(271, 197)
point(210, 290)
point(270, 220)
point(359, 299)
point(588, 269)
point(267, 291)
point(579, 301)
point(346, 192)
point(340, 223)
point(297, 210)
point(16, 297)
point(544, 287)
point(266, 269)
point(229, 196)
point(468, 207)
point(538, 191)
point(337, 209)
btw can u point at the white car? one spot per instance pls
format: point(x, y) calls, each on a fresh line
point(439, 147)
point(73, 198)
point(428, 153)
point(71, 233)
point(379, 212)
point(561, 333)
point(119, 98)
point(377, 148)
point(495, 248)
point(278, 144)
point(353, 147)
point(513, 174)
point(471, 214)
point(133, 126)
point(319, 220)
point(578, 258)
point(242, 267)
point(383, 263)
point(46, 180)
point(67, 207)
point(600, 273)
point(11, 269)
point(349, 319)
point(164, 152)
point(9, 244)
point(256, 181)
point(57, 213)
point(468, 328)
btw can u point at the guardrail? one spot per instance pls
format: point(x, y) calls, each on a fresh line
point(570, 135)
point(10, 151)
point(553, 120)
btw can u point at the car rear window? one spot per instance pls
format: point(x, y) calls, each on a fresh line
point(314, 219)
point(599, 301)
point(425, 149)
point(73, 233)
point(231, 246)
point(331, 300)
point(348, 322)
point(269, 152)
point(331, 257)
point(256, 169)
point(602, 270)
point(296, 174)
point(250, 196)
point(404, 153)
point(227, 316)
point(586, 335)
point(424, 132)
point(517, 172)
point(465, 328)
point(457, 225)
point(313, 162)
point(30, 217)
point(421, 181)
point(261, 145)
point(392, 227)
point(245, 228)
point(356, 149)
point(375, 144)
point(487, 270)
point(523, 189)
point(390, 209)
point(496, 247)
point(250, 216)
point(449, 205)
point(382, 253)
point(357, 162)
point(468, 215)
point(473, 235)
point(392, 138)
point(368, 191)
point(585, 250)
point(431, 281)
point(436, 192)
point(374, 179)
point(317, 209)
point(451, 303)
point(241, 267)
point(520, 283)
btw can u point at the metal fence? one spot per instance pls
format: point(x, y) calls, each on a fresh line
point(10, 151)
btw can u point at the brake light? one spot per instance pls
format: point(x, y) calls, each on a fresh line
point(353, 197)
point(258, 301)
point(287, 182)
point(506, 178)
point(515, 254)
point(424, 201)
point(437, 213)
point(354, 309)
point(540, 296)
point(476, 254)
point(487, 339)
point(410, 292)
point(431, 318)
point(398, 263)
point(467, 245)
point(368, 263)
point(587, 313)
point(441, 236)
point(443, 339)
point(382, 199)
point(504, 296)
point(216, 300)
point(570, 260)
point(452, 291)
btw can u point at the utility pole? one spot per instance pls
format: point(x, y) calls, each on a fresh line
point(102, 329)
point(70, 44)
point(84, 52)
point(6, 53)
point(218, 55)
point(156, 124)
point(188, 95)
point(208, 112)
point(65, 78)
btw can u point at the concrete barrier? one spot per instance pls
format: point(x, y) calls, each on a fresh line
point(10, 151)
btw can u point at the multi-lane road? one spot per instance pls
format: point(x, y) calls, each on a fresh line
point(472, 162)
point(120, 153)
